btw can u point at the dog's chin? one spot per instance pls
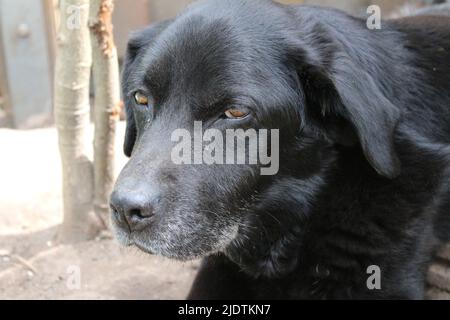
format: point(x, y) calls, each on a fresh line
point(161, 249)
point(168, 251)
point(191, 246)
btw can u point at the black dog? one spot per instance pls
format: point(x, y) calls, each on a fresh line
point(364, 177)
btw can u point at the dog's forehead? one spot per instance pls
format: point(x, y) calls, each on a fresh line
point(194, 55)
point(209, 55)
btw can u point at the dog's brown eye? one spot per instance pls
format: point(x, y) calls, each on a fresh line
point(235, 114)
point(140, 99)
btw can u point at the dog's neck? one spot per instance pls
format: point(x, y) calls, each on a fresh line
point(270, 238)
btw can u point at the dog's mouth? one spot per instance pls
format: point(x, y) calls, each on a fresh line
point(170, 247)
point(130, 239)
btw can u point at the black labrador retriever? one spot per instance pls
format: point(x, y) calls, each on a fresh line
point(362, 195)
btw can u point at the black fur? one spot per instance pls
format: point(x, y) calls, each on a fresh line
point(364, 118)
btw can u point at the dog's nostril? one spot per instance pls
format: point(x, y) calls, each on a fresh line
point(141, 213)
point(135, 213)
point(136, 209)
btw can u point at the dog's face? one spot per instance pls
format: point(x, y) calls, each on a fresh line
point(196, 69)
point(228, 65)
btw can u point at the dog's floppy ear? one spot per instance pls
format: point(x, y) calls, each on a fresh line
point(349, 100)
point(137, 43)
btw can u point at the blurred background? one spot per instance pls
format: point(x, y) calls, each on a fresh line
point(27, 46)
point(32, 265)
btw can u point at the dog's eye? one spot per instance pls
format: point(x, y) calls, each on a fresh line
point(141, 99)
point(235, 114)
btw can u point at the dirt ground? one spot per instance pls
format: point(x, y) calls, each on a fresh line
point(32, 266)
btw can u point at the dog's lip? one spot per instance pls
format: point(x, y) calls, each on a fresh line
point(141, 247)
point(130, 236)
point(131, 241)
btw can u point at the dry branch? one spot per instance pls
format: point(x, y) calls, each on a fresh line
point(107, 102)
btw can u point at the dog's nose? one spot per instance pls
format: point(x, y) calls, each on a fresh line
point(134, 208)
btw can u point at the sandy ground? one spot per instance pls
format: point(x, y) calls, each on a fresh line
point(32, 266)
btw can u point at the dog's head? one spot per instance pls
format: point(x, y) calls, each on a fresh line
point(238, 64)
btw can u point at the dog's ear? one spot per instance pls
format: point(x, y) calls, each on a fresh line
point(353, 105)
point(137, 43)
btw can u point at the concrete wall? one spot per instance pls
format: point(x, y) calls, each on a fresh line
point(163, 9)
point(128, 18)
point(143, 12)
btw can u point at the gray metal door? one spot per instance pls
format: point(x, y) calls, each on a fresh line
point(25, 51)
